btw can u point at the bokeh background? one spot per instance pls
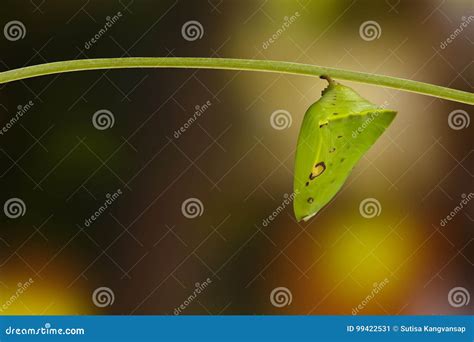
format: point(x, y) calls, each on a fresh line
point(143, 249)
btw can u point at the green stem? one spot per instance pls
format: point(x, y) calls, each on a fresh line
point(237, 64)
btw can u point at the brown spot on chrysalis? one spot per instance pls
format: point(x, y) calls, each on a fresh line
point(307, 183)
point(310, 200)
point(318, 169)
point(322, 125)
point(332, 149)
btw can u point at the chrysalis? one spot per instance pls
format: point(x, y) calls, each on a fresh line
point(336, 132)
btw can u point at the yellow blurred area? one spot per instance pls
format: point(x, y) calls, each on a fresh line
point(38, 297)
point(376, 252)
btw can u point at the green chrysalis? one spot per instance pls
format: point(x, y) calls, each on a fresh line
point(336, 132)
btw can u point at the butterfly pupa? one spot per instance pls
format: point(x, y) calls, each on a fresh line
point(336, 132)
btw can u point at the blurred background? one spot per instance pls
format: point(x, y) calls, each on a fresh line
point(188, 164)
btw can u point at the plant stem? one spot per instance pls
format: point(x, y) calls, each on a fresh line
point(237, 64)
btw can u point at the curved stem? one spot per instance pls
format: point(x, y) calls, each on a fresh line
point(237, 64)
